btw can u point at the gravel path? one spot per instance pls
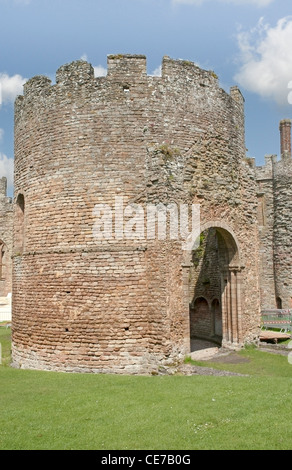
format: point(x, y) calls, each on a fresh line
point(198, 370)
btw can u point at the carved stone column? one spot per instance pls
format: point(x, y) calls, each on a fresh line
point(231, 305)
point(225, 305)
point(186, 307)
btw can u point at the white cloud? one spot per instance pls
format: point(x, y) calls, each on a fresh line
point(266, 60)
point(100, 71)
point(6, 169)
point(258, 3)
point(10, 87)
point(157, 72)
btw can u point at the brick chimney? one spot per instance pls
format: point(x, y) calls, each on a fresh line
point(285, 135)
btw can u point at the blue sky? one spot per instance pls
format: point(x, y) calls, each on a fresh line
point(246, 42)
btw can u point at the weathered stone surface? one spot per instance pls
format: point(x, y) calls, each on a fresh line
point(275, 209)
point(6, 228)
point(123, 304)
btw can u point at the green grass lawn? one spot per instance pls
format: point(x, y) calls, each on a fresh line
point(47, 410)
point(5, 345)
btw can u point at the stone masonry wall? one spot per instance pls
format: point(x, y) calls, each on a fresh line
point(121, 304)
point(6, 224)
point(274, 181)
point(282, 230)
point(205, 283)
point(266, 215)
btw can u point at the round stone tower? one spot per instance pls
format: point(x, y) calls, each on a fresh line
point(93, 289)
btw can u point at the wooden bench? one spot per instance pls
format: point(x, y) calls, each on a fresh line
point(277, 318)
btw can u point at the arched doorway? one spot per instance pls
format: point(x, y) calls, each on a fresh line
point(215, 276)
point(199, 317)
point(279, 303)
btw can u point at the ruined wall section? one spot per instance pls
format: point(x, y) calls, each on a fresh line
point(197, 155)
point(282, 230)
point(6, 228)
point(82, 303)
point(205, 283)
point(274, 181)
point(248, 238)
point(266, 217)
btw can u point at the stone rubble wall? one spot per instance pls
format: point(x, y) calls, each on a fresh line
point(282, 230)
point(266, 215)
point(121, 305)
point(6, 229)
point(274, 181)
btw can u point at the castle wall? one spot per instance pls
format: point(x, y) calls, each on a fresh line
point(6, 225)
point(78, 145)
point(203, 162)
point(82, 302)
point(274, 181)
point(282, 231)
point(266, 216)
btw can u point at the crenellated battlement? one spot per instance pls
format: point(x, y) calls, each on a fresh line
point(172, 68)
point(274, 168)
point(266, 171)
point(127, 68)
point(283, 168)
point(3, 186)
point(6, 202)
point(76, 73)
point(36, 85)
